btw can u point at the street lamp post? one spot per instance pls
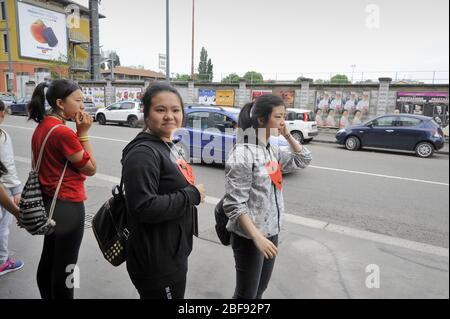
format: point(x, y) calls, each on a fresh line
point(353, 70)
point(167, 44)
point(193, 25)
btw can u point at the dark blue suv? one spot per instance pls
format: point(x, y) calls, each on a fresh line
point(407, 132)
point(208, 133)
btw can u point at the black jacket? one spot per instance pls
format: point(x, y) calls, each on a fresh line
point(162, 214)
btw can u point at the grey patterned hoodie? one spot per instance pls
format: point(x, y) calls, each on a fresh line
point(249, 188)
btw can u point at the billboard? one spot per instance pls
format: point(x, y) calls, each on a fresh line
point(342, 108)
point(257, 93)
point(225, 97)
point(95, 94)
point(433, 104)
point(126, 94)
point(42, 33)
point(207, 97)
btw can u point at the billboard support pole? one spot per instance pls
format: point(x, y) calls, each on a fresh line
point(10, 83)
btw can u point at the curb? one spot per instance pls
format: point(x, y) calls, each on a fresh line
point(334, 142)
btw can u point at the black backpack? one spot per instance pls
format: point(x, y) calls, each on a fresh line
point(110, 227)
point(221, 224)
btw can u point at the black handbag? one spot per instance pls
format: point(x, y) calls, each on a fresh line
point(110, 227)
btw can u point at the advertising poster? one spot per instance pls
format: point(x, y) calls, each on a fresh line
point(258, 93)
point(207, 97)
point(342, 108)
point(124, 94)
point(43, 33)
point(95, 95)
point(225, 97)
point(286, 94)
point(433, 104)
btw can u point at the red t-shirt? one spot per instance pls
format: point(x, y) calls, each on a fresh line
point(63, 142)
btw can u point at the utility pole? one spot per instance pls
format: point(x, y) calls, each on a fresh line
point(193, 28)
point(94, 39)
point(10, 83)
point(167, 43)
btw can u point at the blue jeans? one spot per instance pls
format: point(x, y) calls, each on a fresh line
point(253, 271)
point(5, 220)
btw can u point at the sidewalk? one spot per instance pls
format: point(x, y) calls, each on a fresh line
point(327, 135)
point(312, 263)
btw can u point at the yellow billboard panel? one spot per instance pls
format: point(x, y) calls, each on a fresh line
point(225, 97)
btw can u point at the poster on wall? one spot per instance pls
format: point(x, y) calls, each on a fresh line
point(433, 104)
point(258, 93)
point(342, 108)
point(42, 33)
point(286, 94)
point(207, 97)
point(96, 95)
point(128, 94)
point(225, 97)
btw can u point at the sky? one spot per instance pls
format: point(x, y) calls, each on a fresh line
point(284, 39)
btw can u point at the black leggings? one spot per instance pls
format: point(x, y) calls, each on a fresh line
point(60, 252)
point(174, 291)
point(253, 271)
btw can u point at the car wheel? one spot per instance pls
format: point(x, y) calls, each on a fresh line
point(298, 136)
point(352, 143)
point(132, 121)
point(424, 149)
point(101, 119)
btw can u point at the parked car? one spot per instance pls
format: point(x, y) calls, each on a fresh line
point(130, 112)
point(407, 132)
point(8, 99)
point(223, 119)
point(301, 124)
point(90, 108)
point(20, 107)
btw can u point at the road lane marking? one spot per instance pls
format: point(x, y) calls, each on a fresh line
point(318, 224)
point(94, 137)
point(378, 175)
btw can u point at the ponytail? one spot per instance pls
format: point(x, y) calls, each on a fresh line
point(3, 169)
point(36, 108)
point(245, 120)
point(58, 89)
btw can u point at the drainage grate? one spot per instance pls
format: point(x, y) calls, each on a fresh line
point(88, 220)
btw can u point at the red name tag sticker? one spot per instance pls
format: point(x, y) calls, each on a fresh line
point(186, 170)
point(274, 171)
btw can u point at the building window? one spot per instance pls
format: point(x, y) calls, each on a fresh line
point(5, 42)
point(3, 10)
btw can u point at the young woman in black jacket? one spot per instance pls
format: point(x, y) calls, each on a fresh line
point(161, 197)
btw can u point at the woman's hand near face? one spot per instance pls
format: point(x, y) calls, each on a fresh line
point(83, 122)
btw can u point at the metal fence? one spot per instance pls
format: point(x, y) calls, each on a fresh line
point(406, 77)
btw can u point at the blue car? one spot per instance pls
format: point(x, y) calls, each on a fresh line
point(20, 107)
point(213, 139)
point(406, 132)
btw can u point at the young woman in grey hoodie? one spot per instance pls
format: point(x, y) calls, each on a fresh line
point(253, 198)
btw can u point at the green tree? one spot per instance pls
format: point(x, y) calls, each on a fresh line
point(300, 79)
point(231, 78)
point(340, 78)
point(183, 77)
point(253, 77)
point(205, 67)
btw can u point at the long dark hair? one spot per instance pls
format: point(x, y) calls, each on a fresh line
point(3, 169)
point(152, 91)
point(261, 108)
point(2, 109)
point(58, 89)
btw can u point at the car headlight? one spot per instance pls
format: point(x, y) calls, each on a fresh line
point(342, 130)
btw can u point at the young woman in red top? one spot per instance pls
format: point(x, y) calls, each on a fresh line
point(60, 252)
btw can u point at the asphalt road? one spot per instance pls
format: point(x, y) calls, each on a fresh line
point(389, 193)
